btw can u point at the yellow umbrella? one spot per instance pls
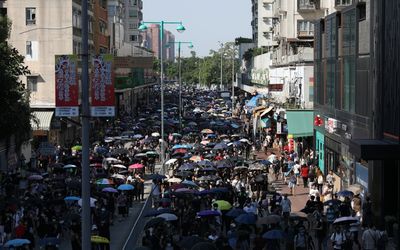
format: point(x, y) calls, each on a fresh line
point(99, 239)
point(223, 205)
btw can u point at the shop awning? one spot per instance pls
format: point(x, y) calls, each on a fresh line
point(43, 119)
point(300, 122)
point(373, 149)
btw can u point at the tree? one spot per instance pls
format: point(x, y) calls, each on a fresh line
point(14, 101)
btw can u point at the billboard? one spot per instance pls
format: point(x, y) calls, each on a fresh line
point(102, 86)
point(66, 86)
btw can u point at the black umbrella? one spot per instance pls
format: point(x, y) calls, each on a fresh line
point(156, 177)
point(154, 222)
point(189, 241)
point(204, 245)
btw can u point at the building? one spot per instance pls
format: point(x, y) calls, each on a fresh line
point(132, 18)
point(101, 39)
point(151, 41)
point(116, 24)
point(357, 111)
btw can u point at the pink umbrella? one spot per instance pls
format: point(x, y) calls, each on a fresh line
point(136, 166)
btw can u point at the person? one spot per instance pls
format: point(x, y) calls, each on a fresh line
point(314, 191)
point(320, 180)
point(330, 213)
point(286, 206)
point(369, 238)
point(354, 229)
point(330, 177)
point(338, 238)
point(301, 239)
point(367, 212)
point(296, 170)
point(304, 170)
point(292, 183)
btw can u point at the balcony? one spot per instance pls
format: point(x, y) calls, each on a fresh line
point(304, 6)
point(305, 34)
point(340, 4)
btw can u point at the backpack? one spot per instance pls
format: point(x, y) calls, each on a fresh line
point(381, 241)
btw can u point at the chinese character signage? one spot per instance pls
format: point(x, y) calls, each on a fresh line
point(102, 86)
point(66, 84)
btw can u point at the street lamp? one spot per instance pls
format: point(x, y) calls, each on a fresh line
point(180, 28)
point(180, 77)
point(222, 45)
point(233, 78)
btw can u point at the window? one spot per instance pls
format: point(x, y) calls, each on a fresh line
point(29, 49)
point(133, 13)
point(133, 38)
point(133, 2)
point(133, 26)
point(76, 18)
point(30, 16)
point(362, 12)
point(102, 27)
point(305, 28)
point(31, 83)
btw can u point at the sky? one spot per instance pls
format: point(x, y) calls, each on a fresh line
point(206, 21)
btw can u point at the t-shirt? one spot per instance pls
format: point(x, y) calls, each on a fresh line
point(286, 205)
point(296, 168)
point(338, 239)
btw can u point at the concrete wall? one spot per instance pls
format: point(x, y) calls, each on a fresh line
point(53, 34)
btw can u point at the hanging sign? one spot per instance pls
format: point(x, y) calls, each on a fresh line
point(102, 86)
point(66, 86)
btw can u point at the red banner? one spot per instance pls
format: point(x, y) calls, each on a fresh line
point(66, 85)
point(102, 86)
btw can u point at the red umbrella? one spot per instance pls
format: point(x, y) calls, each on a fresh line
point(136, 166)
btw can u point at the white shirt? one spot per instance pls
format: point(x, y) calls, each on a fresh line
point(237, 184)
point(314, 192)
point(296, 168)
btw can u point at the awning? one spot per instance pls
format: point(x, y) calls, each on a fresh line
point(373, 149)
point(300, 122)
point(43, 119)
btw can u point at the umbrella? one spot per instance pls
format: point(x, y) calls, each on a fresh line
point(255, 167)
point(176, 135)
point(298, 216)
point(119, 166)
point(345, 193)
point(192, 124)
point(265, 162)
point(17, 242)
point(223, 205)
point(345, 220)
point(168, 216)
point(221, 145)
point(155, 134)
point(181, 146)
point(125, 187)
point(247, 218)
point(104, 181)
point(244, 140)
point(77, 148)
point(208, 213)
point(189, 241)
point(136, 166)
point(171, 161)
point(101, 151)
point(69, 166)
point(140, 155)
point(155, 212)
point(92, 202)
point(153, 222)
point(120, 151)
point(96, 165)
point(185, 190)
point(205, 163)
point(204, 245)
point(235, 212)
point(189, 183)
point(152, 153)
point(156, 177)
point(118, 176)
point(195, 158)
point(35, 177)
point(109, 190)
point(174, 180)
point(137, 136)
point(99, 240)
point(274, 234)
point(49, 241)
point(112, 160)
point(207, 131)
point(205, 142)
point(333, 202)
point(270, 219)
point(186, 167)
point(72, 198)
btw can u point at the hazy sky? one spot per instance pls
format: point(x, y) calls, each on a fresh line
point(206, 21)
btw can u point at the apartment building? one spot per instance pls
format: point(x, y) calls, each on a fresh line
point(152, 42)
point(132, 18)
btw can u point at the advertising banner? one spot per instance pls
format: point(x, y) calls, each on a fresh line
point(67, 87)
point(102, 86)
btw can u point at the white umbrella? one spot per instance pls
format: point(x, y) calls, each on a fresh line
point(244, 140)
point(174, 180)
point(171, 161)
point(118, 176)
point(112, 160)
point(119, 166)
point(92, 202)
point(155, 134)
point(168, 216)
point(345, 220)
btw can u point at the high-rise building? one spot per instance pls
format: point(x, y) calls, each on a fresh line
point(133, 17)
point(152, 42)
point(116, 25)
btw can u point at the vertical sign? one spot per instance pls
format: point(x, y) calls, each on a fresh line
point(102, 86)
point(66, 84)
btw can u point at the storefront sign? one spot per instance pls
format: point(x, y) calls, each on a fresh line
point(102, 86)
point(362, 175)
point(331, 125)
point(66, 84)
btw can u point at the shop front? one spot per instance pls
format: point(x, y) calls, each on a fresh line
point(332, 161)
point(320, 149)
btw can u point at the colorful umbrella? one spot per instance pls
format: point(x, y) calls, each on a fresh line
point(17, 242)
point(136, 166)
point(72, 198)
point(99, 240)
point(104, 181)
point(207, 131)
point(77, 148)
point(109, 190)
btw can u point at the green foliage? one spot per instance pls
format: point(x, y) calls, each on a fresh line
point(14, 101)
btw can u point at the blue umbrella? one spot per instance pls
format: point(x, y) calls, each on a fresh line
point(212, 136)
point(220, 146)
point(186, 167)
point(265, 162)
point(181, 146)
point(345, 193)
point(205, 164)
point(17, 242)
point(189, 183)
point(125, 187)
point(72, 198)
point(209, 169)
point(101, 151)
point(235, 212)
point(155, 212)
point(137, 136)
point(274, 235)
point(247, 218)
point(208, 213)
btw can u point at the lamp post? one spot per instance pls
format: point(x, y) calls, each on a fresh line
point(222, 46)
point(233, 79)
point(180, 78)
point(180, 29)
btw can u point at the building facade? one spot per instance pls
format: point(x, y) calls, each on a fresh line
point(152, 42)
point(133, 17)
